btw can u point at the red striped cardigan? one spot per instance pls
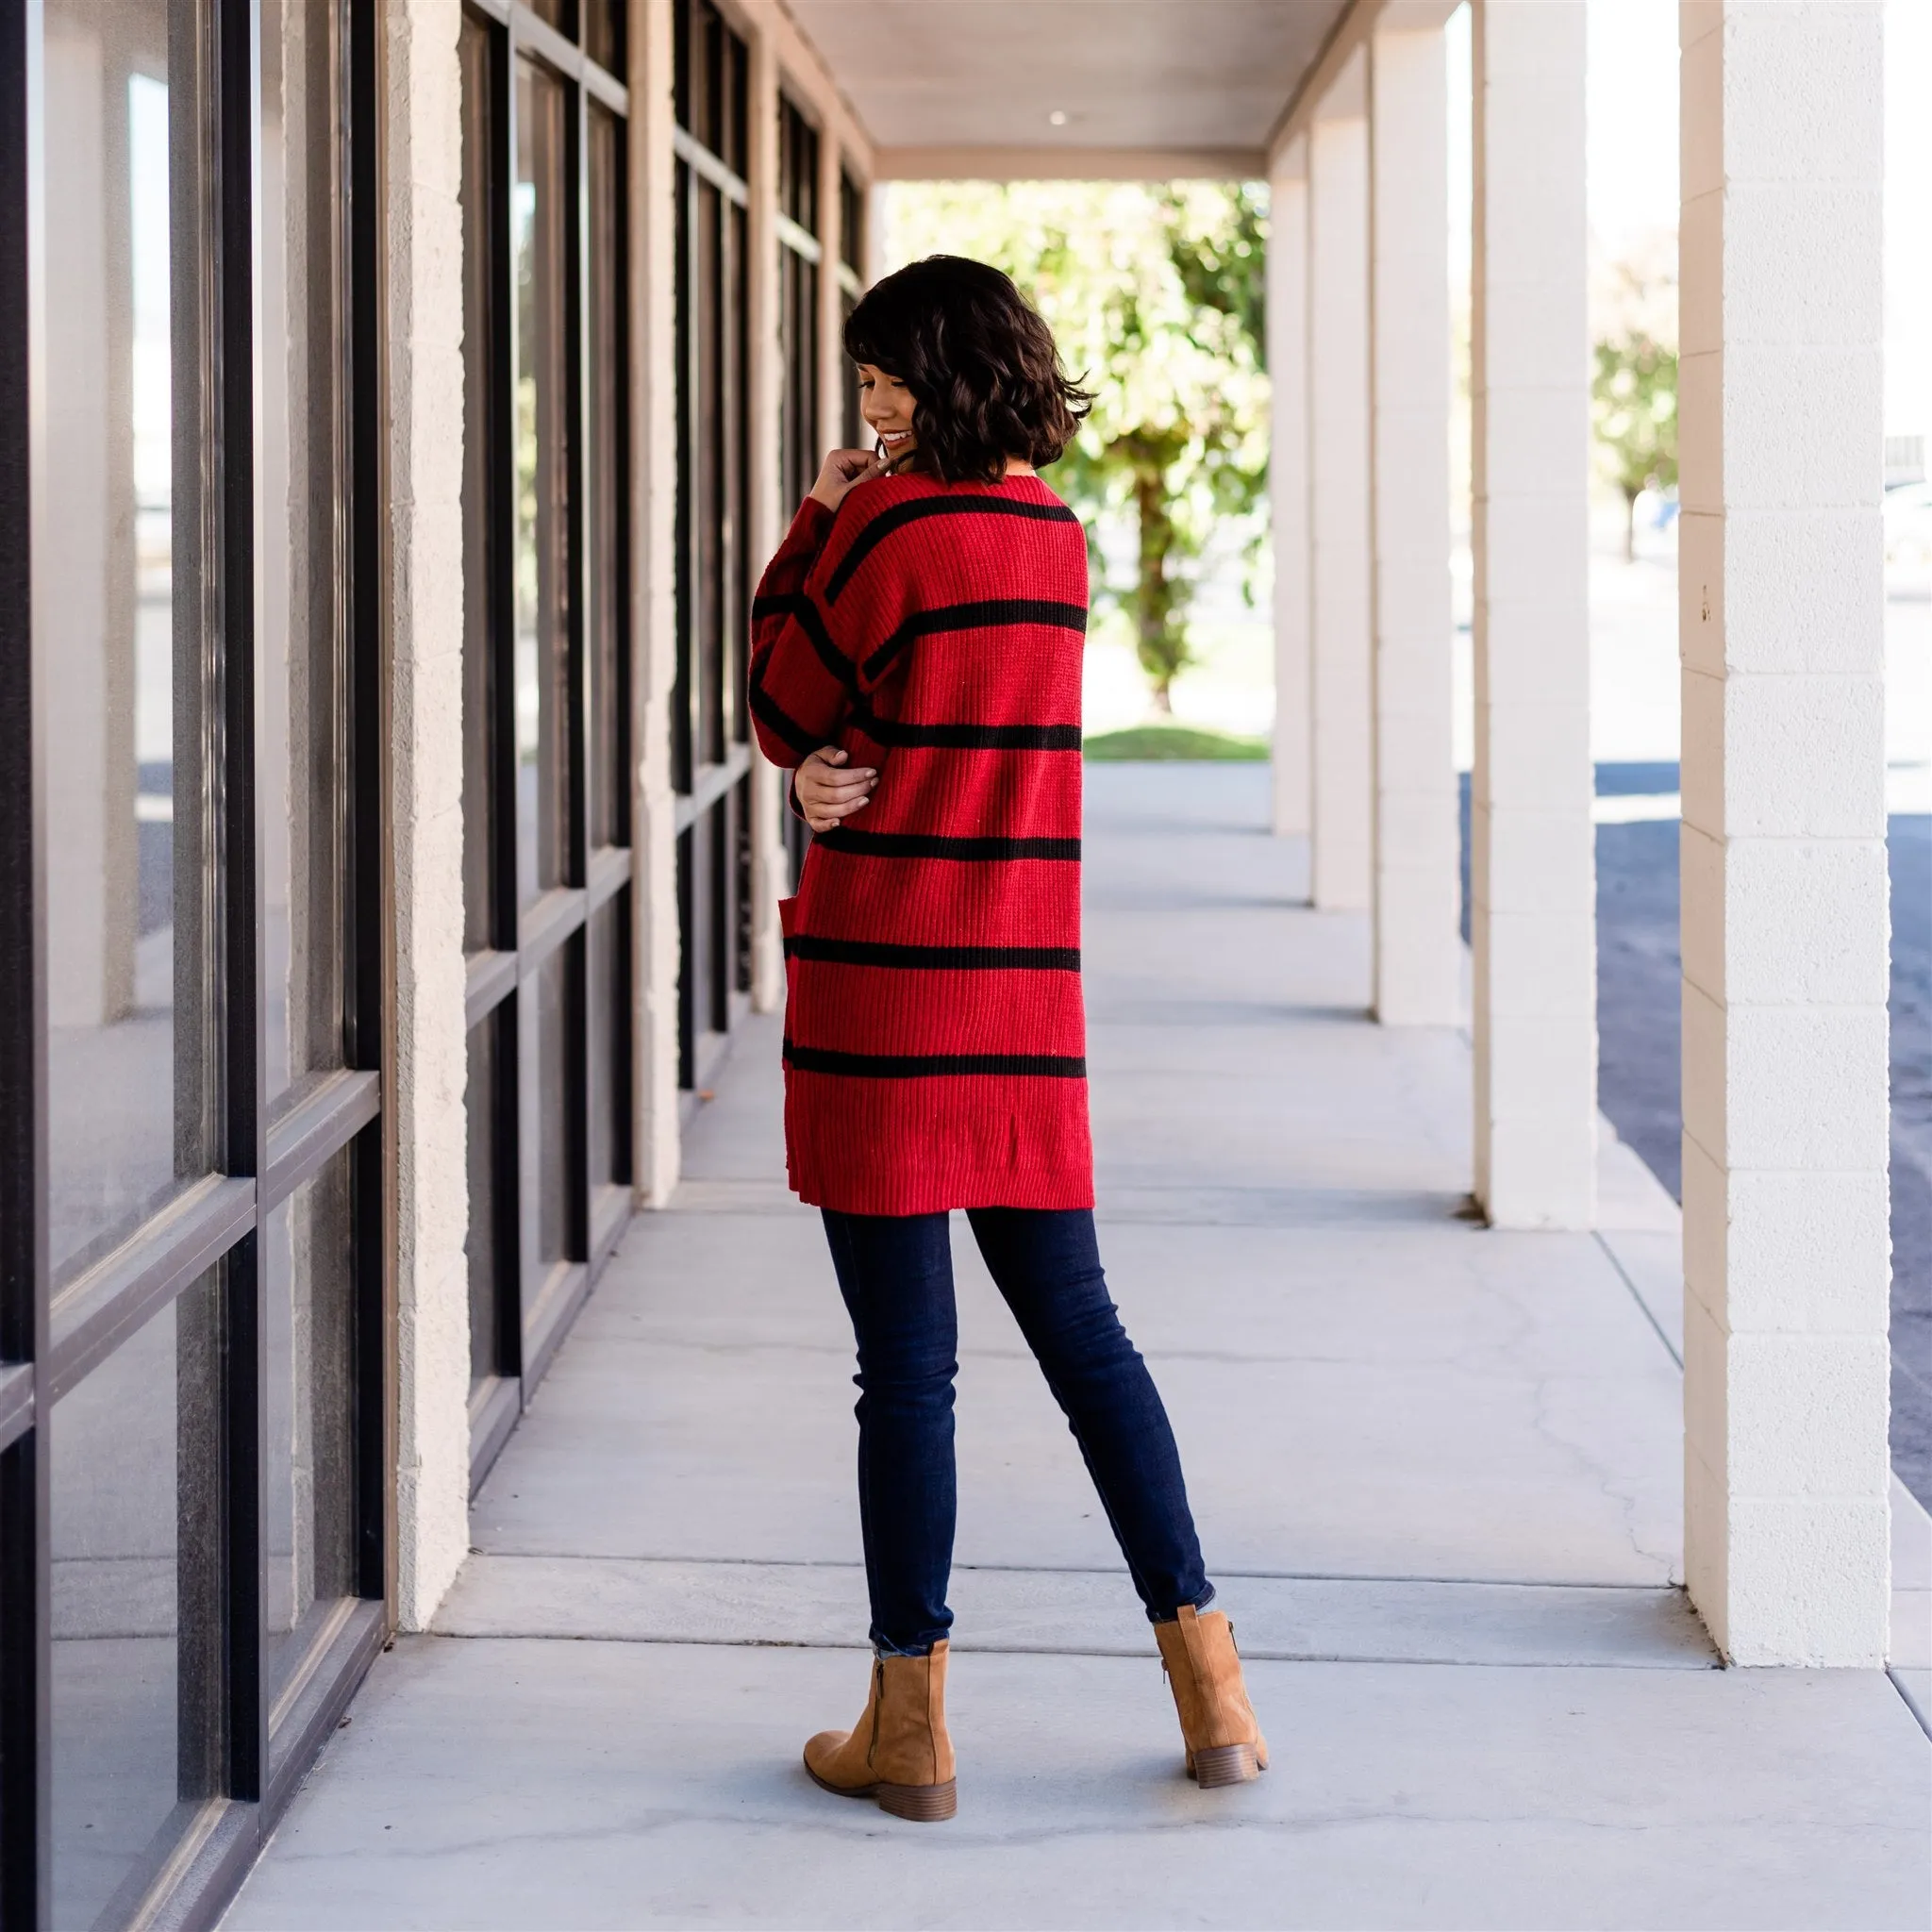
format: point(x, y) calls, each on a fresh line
point(935, 1041)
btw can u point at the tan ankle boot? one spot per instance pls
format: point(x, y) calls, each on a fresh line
point(900, 1753)
point(1224, 1742)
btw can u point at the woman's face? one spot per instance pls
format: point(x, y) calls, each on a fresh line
point(885, 404)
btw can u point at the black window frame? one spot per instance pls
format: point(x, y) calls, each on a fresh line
point(711, 755)
point(852, 206)
point(534, 1300)
point(53, 1335)
point(801, 264)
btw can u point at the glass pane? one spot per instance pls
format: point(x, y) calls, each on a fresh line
point(734, 725)
point(608, 1043)
point(303, 602)
point(604, 34)
point(603, 519)
point(851, 217)
point(135, 1468)
point(483, 1246)
point(125, 609)
point(855, 432)
point(556, 12)
point(481, 455)
point(800, 424)
point(543, 523)
point(308, 1268)
point(709, 484)
point(546, 1080)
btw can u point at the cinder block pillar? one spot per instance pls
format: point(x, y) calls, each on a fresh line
point(1288, 479)
point(765, 384)
point(654, 938)
point(1338, 495)
point(1784, 925)
point(1533, 885)
point(1417, 947)
point(428, 1060)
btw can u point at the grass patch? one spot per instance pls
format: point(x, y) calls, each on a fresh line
point(1142, 742)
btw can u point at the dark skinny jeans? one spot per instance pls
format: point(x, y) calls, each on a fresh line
point(897, 1274)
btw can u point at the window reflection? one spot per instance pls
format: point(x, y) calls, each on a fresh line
point(481, 495)
point(546, 1040)
point(135, 1454)
point(309, 1557)
point(303, 602)
point(125, 613)
point(490, 1287)
point(543, 611)
point(603, 480)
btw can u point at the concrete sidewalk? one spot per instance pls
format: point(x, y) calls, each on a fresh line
point(1437, 1475)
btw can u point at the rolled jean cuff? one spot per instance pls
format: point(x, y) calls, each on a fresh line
point(1199, 1604)
point(883, 1646)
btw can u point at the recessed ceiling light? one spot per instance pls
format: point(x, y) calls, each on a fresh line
point(1057, 118)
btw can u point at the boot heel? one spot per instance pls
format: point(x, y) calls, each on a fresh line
point(922, 1804)
point(1224, 1764)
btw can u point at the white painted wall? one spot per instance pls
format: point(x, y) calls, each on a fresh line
point(1784, 922)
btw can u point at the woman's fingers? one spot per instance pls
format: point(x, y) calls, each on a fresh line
point(822, 814)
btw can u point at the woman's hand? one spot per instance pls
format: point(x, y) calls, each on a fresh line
point(826, 794)
point(842, 469)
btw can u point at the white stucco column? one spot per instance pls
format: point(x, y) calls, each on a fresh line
point(1417, 947)
point(1785, 926)
point(1288, 479)
point(423, 1092)
point(1340, 866)
point(656, 939)
point(1533, 885)
point(765, 386)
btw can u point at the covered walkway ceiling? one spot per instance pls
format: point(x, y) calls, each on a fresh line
point(1100, 88)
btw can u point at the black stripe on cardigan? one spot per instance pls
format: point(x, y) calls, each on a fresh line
point(887, 521)
point(925, 1066)
point(895, 731)
point(787, 727)
point(936, 845)
point(800, 608)
point(935, 959)
point(981, 616)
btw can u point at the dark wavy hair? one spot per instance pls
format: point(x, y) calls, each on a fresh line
point(986, 378)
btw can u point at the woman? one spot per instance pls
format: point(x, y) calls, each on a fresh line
point(916, 663)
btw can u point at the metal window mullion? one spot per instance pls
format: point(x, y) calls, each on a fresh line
point(306, 1138)
point(26, 1751)
point(240, 992)
point(701, 161)
point(506, 1231)
point(364, 478)
point(800, 240)
point(563, 56)
point(577, 1071)
point(122, 1290)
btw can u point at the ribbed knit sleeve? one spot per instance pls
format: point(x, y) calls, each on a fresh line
point(802, 678)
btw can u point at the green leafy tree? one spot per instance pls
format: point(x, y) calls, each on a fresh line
point(1156, 296)
point(1634, 407)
